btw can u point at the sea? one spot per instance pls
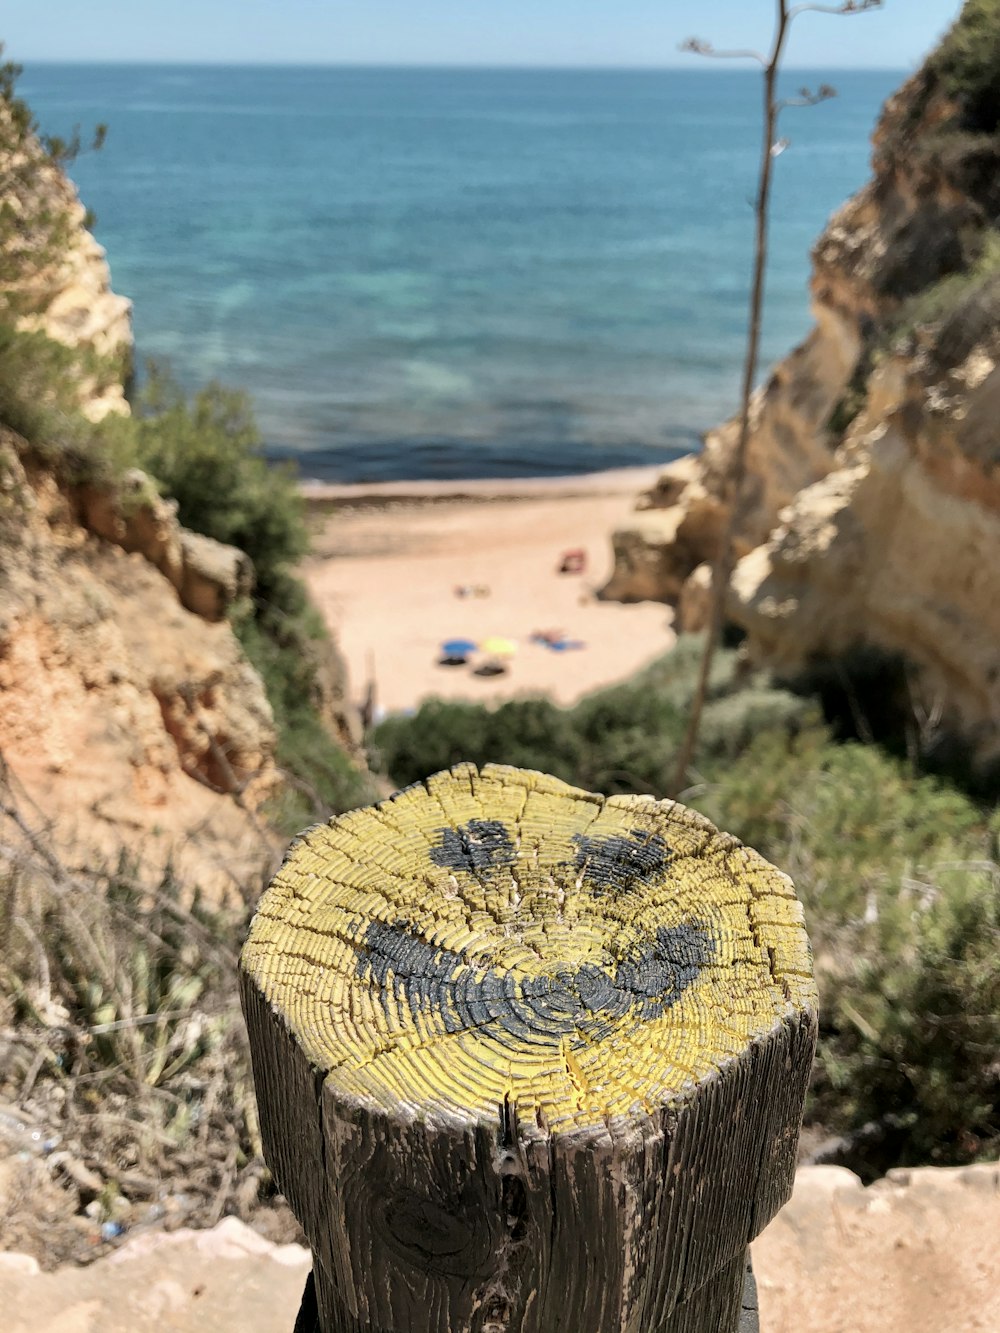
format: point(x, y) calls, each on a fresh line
point(457, 273)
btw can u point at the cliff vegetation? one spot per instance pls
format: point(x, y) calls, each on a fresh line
point(171, 708)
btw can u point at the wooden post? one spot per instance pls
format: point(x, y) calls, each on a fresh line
point(528, 1060)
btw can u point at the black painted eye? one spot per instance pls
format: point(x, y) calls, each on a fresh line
point(480, 844)
point(639, 858)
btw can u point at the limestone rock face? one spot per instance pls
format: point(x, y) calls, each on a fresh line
point(62, 287)
point(870, 512)
point(676, 523)
point(78, 308)
point(898, 547)
point(694, 610)
point(123, 709)
point(207, 575)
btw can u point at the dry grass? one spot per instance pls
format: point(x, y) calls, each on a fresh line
point(126, 1099)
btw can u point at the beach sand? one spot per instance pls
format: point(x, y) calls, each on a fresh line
point(387, 560)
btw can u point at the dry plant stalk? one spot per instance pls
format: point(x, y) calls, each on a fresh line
point(771, 148)
point(123, 1064)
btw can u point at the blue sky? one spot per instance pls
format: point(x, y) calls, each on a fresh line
point(476, 32)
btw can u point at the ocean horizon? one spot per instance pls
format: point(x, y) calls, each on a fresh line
point(446, 272)
point(686, 67)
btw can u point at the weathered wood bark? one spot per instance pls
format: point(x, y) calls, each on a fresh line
point(308, 1320)
point(528, 1060)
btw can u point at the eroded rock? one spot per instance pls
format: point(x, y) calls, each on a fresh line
point(870, 514)
point(125, 714)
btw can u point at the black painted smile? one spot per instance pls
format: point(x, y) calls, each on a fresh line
point(588, 1002)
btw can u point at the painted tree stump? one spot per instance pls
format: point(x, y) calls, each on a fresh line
point(528, 1060)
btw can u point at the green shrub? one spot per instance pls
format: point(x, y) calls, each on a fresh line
point(629, 735)
point(674, 674)
point(847, 821)
point(896, 874)
point(953, 303)
point(531, 733)
point(620, 739)
point(967, 62)
point(731, 722)
point(286, 642)
point(36, 398)
point(207, 456)
point(912, 1028)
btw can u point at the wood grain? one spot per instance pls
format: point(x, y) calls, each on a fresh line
point(528, 1058)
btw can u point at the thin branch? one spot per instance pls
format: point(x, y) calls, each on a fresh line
point(733, 486)
point(848, 7)
point(697, 47)
point(806, 97)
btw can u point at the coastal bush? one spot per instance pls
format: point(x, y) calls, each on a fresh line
point(40, 382)
point(529, 733)
point(286, 642)
point(893, 869)
point(35, 396)
point(123, 1043)
point(953, 303)
point(967, 62)
point(908, 1056)
point(898, 877)
point(620, 739)
point(207, 455)
point(846, 820)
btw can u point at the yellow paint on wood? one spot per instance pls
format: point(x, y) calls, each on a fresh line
point(503, 936)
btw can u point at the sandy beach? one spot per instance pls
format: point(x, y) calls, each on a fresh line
point(389, 562)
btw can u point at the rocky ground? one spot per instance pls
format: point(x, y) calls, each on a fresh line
point(917, 1253)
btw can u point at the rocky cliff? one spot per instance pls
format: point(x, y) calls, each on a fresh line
point(129, 716)
point(55, 276)
point(75, 305)
point(871, 513)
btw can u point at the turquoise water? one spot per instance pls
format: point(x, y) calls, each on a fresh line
point(441, 273)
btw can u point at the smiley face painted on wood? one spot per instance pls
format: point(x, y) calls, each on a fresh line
point(497, 938)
